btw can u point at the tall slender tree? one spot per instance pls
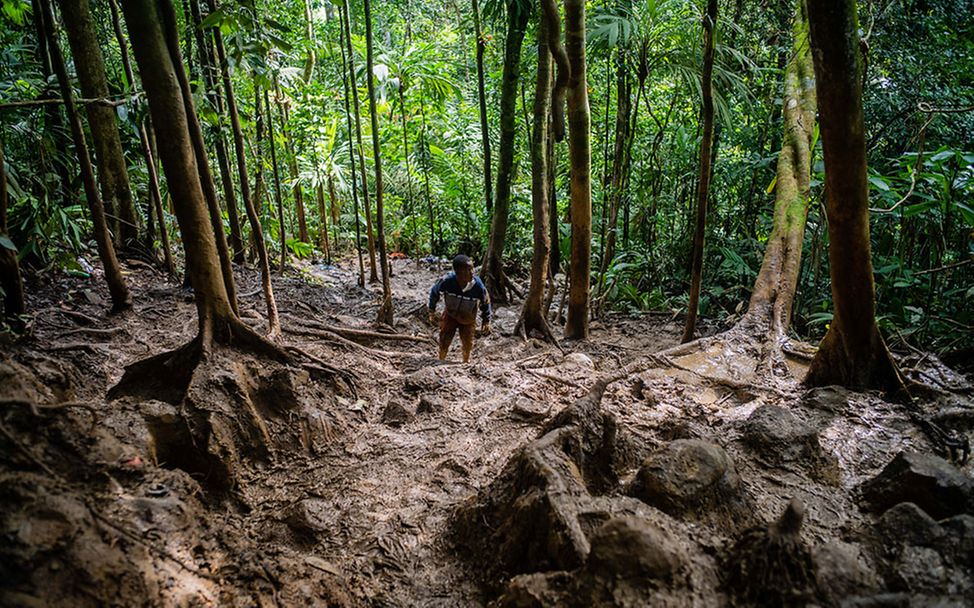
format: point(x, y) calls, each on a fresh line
point(346, 68)
point(492, 272)
point(580, 158)
point(278, 199)
point(121, 299)
point(89, 63)
point(273, 320)
point(358, 140)
point(385, 314)
point(154, 204)
point(532, 313)
point(703, 180)
point(482, 99)
point(853, 352)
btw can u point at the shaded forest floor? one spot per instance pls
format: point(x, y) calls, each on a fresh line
point(423, 483)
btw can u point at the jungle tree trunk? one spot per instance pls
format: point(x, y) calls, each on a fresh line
point(373, 277)
point(323, 212)
point(170, 106)
point(424, 146)
point(346, 68)
point(106, 250)
point(554, 237)
point(533, 313)
point(112, 170)
point(409, 177)
point(774, 289)
point(154, 205)
point(278, 199)
point(292, 160)
point(482, 97)
point(202, 162)
point(853, 353)
point(10, 279)
point(703, 181)
point(620, 164)
point(309, 63)
point(580, 158)
point(208, 65)
point(385, 309)
point(273, 320)
point(492, 272)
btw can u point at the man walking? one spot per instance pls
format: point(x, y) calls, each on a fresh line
point(463, 294)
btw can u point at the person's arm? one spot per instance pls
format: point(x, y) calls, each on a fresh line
point(434, 299)
point(485, 308)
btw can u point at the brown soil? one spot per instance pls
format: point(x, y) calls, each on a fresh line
point(267, 484)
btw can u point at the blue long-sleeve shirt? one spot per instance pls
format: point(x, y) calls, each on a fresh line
point(462, 301)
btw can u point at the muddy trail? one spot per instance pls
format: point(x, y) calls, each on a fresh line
point(598, 473)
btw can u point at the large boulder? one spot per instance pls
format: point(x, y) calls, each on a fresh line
point(928, 481)
point(686, 475)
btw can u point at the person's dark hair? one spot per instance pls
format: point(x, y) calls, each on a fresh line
point(461, 261)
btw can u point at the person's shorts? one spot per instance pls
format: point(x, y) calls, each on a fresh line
point(449, 326)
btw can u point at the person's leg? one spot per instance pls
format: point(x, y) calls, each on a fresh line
point(448, 329)
point(466, 340)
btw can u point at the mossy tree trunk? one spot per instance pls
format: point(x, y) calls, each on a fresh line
point(385, 314)
point(89, 64)
point(774, 289)
point(703, 180)
point(533, 313)
point(853, 353)
point(492, 271)
point(121, 299)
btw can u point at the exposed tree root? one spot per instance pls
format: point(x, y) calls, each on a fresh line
point(364, 334)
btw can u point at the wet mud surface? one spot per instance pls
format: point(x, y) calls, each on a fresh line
point(421, 483)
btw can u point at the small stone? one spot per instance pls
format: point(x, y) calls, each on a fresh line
point(396, 414)
point(634, 549)
point(928, 481)
point(686, 474)
point(908, 523)
point(580, 360)
point(430, 405)
point(779, 436)
point(311, 515)
point(841, 571)
point(530, 410)
point(832, 399)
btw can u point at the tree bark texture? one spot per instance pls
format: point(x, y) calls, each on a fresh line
point(580, 160)
point(852, 353)
point(703, 180)
point(89, 64)
point(121, 299)
point(533, 313)
point(199, 149)
point(492, 272)
point(385, 314)
point(774, 289)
